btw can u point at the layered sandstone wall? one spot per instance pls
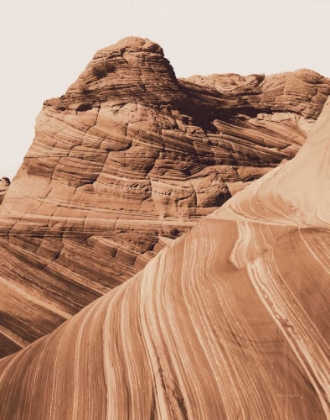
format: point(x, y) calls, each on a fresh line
point(230, 321)
point(127, 160)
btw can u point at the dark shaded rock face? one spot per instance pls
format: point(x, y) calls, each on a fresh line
point(4, 185)
point(128, 159)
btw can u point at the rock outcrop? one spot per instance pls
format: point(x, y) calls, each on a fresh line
point(4, 185)
point(230, 321)
point(127, 160)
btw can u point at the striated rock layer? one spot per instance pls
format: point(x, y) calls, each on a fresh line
point(230, 321)
point(128, 159)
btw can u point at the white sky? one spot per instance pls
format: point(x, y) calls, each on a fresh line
point(45, 45)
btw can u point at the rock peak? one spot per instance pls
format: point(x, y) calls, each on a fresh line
point(309, 76)
point(134, 67)
point(131, 44)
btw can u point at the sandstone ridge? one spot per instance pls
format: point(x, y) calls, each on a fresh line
point(230, 321)
point(128, 159)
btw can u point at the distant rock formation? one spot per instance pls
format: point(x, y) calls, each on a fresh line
point(4, 185)
point(231, 321)
point(127, 160)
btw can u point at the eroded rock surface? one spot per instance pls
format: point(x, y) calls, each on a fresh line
point(128, 159)
point(230, 321)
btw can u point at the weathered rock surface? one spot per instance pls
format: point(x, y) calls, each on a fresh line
point(128, 159)
point(4, 185)
point(230, 321)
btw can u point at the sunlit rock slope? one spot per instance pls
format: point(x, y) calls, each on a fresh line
point(128, 159)
point(231, 321)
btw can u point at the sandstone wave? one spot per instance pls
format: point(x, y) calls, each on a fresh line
point(230, 321)
point(126, 161)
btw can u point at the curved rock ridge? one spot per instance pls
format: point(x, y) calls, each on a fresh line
point(230, 321)
point(127, 160)
point(302, 91)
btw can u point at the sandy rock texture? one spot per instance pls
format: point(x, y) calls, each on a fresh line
point(230, 321)
point(127, 160)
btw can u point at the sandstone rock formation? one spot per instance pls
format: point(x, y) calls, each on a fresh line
point(230, 321)
point(128, 159)
point(4, 185)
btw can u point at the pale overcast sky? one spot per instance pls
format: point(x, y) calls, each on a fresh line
point(45, 45)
